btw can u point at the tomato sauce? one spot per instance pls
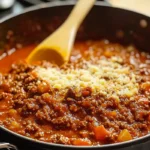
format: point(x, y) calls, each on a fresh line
point(108, 103)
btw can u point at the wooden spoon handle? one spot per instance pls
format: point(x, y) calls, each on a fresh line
point(61, 41)
point(79, 12)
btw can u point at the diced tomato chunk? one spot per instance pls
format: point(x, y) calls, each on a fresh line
point(124, 136)
point(146, 86)
point(112, 114)
point(80, 142)
point(100, 133)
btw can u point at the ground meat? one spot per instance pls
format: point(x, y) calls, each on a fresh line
point(31, 127)
point(60, 139)
point(31, 106)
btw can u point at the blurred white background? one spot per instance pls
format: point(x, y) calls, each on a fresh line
point(142, 6)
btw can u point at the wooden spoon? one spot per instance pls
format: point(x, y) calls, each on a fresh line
point(57, 47)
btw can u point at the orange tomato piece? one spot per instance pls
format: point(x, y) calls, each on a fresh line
point(112, 114)
point(146, 86)
point(100, 133)
point(124, 136)
point(80, 142)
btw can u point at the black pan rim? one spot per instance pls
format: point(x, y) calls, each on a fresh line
point(116, 145)
point(47, 5)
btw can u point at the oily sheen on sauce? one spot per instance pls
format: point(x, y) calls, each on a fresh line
point(101, 96)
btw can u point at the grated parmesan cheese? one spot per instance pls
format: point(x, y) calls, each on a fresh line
point(106, 76)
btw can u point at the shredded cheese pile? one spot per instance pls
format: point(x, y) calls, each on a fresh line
point(106, 76)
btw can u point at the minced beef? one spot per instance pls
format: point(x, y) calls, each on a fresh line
point(31, 106)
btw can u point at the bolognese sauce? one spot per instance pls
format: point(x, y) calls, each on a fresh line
point(101, 96)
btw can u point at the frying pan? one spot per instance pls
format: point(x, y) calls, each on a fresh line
point(103, 22)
